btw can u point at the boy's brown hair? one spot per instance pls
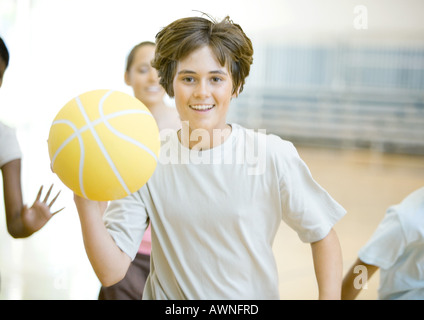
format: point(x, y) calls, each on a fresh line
point(227, 40)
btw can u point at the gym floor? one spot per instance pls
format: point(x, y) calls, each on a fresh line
point(366, 183)
point(52, 263)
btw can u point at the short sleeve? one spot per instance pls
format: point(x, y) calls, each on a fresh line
point(126, 221)
point(306, 207)
point(9, 146)
point(387, 243)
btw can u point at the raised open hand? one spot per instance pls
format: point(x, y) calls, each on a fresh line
point(36, 217)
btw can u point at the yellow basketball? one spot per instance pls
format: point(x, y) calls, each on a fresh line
point(104, 145)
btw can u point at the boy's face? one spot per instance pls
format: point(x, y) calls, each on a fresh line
point(143, 78)
point(2, 70)
point(203, 90)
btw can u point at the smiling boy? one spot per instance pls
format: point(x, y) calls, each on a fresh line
point(204, 92)
point(213, 224)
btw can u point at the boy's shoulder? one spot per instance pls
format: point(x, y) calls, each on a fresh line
point(272, 143)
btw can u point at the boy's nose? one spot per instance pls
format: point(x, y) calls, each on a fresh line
point(202, 90)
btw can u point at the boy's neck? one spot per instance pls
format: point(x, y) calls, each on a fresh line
point(203, 139)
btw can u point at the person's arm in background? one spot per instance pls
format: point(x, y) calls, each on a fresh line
point(349, 290)
point(21, 220)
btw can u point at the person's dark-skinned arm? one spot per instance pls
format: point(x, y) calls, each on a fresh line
point(21, 220)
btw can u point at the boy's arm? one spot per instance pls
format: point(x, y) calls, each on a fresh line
point(328, 266)
point(349, 290)
point(108, 261)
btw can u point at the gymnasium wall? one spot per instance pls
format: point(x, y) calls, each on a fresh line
point(343, 94)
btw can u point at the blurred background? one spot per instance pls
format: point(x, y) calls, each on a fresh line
point(343, 80)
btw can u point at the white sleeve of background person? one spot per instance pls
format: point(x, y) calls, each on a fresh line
point(9, 146)
point(386, 244)
point(396, 247)
point(402, 226)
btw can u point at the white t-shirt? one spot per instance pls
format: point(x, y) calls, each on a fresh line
point(9, 146)
point(214, 215)
point(397, 248)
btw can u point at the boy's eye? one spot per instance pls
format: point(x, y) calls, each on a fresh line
point(216, 79)
point(188, 79)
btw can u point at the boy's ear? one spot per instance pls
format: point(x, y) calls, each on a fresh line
point(127, 78)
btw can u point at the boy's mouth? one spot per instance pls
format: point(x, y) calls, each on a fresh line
point(202, 107)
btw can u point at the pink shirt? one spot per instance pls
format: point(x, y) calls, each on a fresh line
point(146, 243)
